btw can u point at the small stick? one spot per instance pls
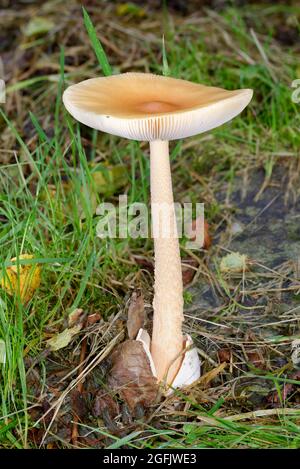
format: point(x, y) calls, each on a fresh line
point(79, 389)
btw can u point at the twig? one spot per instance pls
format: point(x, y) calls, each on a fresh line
point(80, 389)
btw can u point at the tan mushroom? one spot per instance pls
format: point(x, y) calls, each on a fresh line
point(158, 109)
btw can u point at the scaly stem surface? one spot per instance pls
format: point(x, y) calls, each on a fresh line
point(167, 338)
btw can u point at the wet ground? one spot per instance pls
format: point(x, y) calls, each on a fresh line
point(266, 228)
point(270, 226)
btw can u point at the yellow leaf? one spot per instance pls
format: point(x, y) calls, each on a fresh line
point(63, 339)
point(109, 179)
point(130, 9)
point(38, 26)
point(22, 279)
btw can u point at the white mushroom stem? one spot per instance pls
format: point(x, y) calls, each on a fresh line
point(167, 339)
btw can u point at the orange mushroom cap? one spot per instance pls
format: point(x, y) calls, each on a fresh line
point(144, 106)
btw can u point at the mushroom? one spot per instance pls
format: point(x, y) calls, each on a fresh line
point(157, 109)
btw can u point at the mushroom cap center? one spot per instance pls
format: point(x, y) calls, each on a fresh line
point(156, 106)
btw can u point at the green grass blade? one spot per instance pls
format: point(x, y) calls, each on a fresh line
point(42, 135)
point(166, 70)
point(96, 44)
point(85, 280)
point(124, 441)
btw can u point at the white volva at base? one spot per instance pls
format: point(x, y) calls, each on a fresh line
point(190, 369)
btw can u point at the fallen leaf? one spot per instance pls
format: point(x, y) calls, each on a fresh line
point(93, 318)
point(23, 279)
point(75, 317)
point(126, 415)
point(189, 268)
point(107, 409)
point(131, 375)
point(38, 26)
point(109, 179)
point(224, 355)
point(63, 339)
point(275, 399)
point(50, 192)
point(130, 9)
point(79, 405)
point(254, 355)
point(147, 264)
point(256, 359)
point(136, 314)
point(196, 227)
point(104, 401)
point(233, 263)
point(33, 379)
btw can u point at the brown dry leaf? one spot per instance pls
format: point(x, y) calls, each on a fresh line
point(207, 238)
point(255, 355)
point(275, 399)
point(93, 318)
point(224, 355)
point(105, 403)
point(75, 317)
point(145, 263)
point(78, 404)
point(188, 270)
point(136, 314)
point(107, 409)
point(131, 375)
point(256, 358)
point(23, 279)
